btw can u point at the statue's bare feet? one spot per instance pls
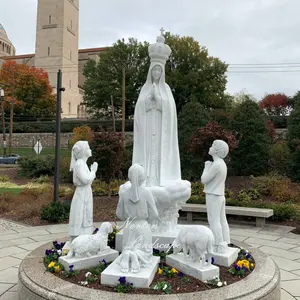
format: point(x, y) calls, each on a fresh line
point(135, 265)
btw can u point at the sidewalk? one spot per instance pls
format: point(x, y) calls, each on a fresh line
point(16, 241)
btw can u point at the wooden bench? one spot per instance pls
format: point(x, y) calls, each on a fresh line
point(261, 214)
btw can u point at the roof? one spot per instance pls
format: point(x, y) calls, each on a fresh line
point(3, 32)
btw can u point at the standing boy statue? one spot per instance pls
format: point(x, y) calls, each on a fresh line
point(213, 178)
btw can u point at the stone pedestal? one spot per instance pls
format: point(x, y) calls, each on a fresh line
point(226, 259)
point(108, 255)
point(191, 268)
point(142, 279)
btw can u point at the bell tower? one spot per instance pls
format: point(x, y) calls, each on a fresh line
point(57, 48)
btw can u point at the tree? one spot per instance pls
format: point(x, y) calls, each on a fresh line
point(202, 139)
point(192, 72)
point(28, 88)
point(104, 78)
point(252, 155)
point(192, 116)
point(294, 100)
point(189, 72)
point(275, 104)
point(293, 134)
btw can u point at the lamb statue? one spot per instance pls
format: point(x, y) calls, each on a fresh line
point(91, 244)
point(197, 241)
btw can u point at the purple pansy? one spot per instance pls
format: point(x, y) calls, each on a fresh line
point(96, 230)
point(122, 280)
point(104, 262)
point(71, 268)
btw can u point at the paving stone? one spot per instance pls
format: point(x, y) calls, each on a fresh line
point(285, 275)
point(286, 296)
point(10, 250)
point(292, 287)
point(285, 264)
point(21, 255)
point(14, 288)
point(32, 246)
point(4, 287)
point(7, 262)
point(254, 235)
point(10, 296)
point(297, 272)
point(275, 244)
point(19, 241)
point(238, 237)
point(281, 253)
point(9, 275)
point(49, 237)
point(289, 240)
point(254, 245)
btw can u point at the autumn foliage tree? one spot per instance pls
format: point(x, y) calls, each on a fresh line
point(82, 133)
point(275, 104)
point(203, 138)
point(28, 88)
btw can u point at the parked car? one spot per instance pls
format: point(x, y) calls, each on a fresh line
point(9, 159)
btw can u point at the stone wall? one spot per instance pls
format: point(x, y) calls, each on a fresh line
point(47, 140)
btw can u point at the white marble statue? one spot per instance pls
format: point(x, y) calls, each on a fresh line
point(213, 178)
point(156, 139)
point(196, 242)
point(81, 213)
point(91, 244)
point(136, 205)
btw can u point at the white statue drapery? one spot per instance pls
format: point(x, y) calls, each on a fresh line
point(155, 132)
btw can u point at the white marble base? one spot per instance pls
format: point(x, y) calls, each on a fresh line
point(191, 268)
point(108, 255)
point(226, 259)
point(142, 279)
point(160, 240)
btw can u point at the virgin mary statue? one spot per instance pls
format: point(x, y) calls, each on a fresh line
point(155, 123)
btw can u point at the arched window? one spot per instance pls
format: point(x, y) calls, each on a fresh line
point(49, 51)
point(50, 19)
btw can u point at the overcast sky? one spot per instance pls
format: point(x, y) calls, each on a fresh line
point(236, 31)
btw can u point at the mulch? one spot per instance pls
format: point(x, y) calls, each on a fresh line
point(186, 284)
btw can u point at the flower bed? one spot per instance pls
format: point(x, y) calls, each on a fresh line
point(167, 280)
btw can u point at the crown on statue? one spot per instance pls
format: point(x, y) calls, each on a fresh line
point(159, 52)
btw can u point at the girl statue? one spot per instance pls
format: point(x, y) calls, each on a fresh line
point(155, 123)
point(136, 205)
point(81, 214)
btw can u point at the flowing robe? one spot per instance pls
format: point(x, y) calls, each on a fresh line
point(81, 213)
point(155, 144)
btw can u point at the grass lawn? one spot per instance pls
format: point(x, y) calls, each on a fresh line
point(29, 152)
point(13, 191)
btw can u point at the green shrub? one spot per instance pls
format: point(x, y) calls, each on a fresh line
point(100, 188)
point(4, 178)
point(197, 189)
point(294, 166)
point(127, 159)
point(252, 155)
point(36, 166)
point(43, 179)
point(265, 185)
point(65, 175)
point(247, 195)
point(55, 212)
point(280, 157)
point(192, 116)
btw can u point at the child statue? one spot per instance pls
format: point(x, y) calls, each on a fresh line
point(213, 178)
point(137, 206)
point(81, 214)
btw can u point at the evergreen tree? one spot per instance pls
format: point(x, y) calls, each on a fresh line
point(252, 155)
point(192, 116)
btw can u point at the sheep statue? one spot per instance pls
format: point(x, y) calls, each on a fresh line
point(91, 244)
point(196, 242)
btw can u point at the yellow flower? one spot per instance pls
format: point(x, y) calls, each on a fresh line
point(51, 265)
point(65, 251)
point(252, 265)
point(57, 268)
point(160, 271)
point(174, 270)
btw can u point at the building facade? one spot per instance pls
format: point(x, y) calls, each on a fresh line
point(57, 48)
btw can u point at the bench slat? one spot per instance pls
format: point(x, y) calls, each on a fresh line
point(232, 210)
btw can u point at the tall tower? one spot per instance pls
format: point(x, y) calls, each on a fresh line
point(57, 48)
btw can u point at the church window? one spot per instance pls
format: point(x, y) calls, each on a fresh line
point(50, 19)
point(70, 83)
point(49, 51)
point(69, 107)
point(70, 55)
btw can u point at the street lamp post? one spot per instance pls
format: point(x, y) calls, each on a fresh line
point(3, 120)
